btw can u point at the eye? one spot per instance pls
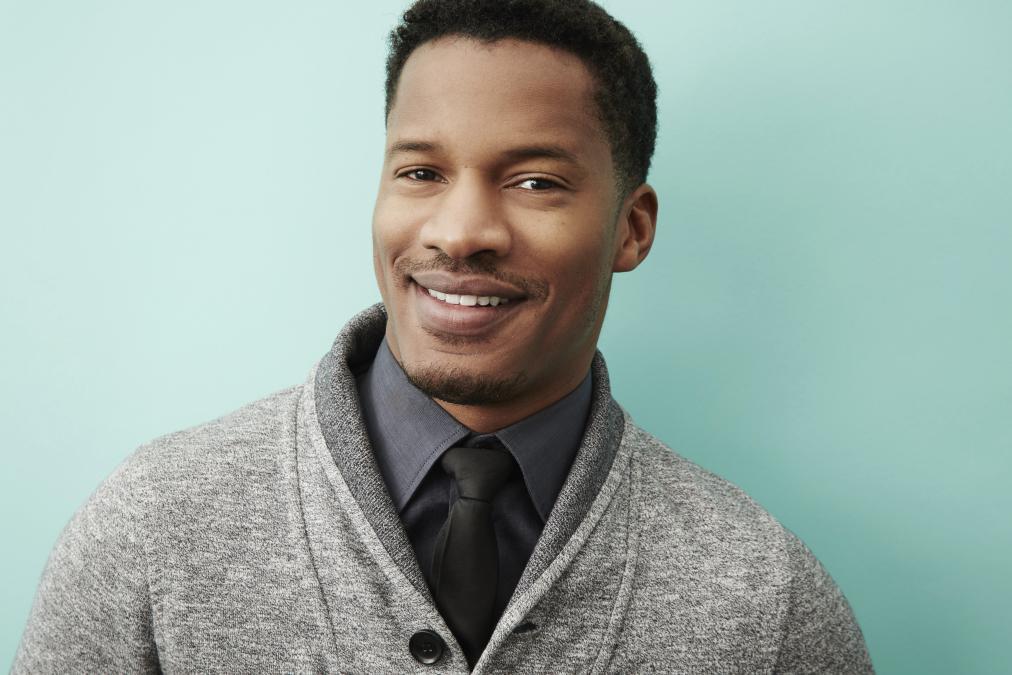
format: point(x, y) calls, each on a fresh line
point(421, 175)
point(536, 184)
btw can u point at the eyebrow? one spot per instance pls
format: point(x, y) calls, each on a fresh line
point(513, 154)
point(542, 152)
point(412, 146)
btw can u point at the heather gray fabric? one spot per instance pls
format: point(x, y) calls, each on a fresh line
point(247, 545)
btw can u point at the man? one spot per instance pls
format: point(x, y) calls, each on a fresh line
point(453, 488)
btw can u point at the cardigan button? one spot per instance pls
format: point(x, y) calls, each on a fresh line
point(426, 646)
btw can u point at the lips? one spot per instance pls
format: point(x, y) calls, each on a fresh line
point(462, 314)
point(468, 300)
point(465, 284)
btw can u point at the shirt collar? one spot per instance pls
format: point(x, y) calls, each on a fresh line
point(409, 432)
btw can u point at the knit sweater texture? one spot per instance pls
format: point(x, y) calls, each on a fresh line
point(265, 541)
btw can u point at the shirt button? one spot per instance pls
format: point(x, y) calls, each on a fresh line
point(426, 646)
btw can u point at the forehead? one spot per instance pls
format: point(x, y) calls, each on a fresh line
point(461, 88)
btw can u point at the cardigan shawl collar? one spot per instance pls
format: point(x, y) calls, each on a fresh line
point(340, 417)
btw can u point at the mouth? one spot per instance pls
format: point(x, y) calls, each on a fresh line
point(452, 310)
point(467, 300)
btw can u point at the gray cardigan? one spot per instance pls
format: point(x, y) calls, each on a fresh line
point(265, 541)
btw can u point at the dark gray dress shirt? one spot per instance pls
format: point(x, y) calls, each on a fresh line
point(410, 432)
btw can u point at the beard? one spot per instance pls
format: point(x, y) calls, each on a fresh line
point(463, 388)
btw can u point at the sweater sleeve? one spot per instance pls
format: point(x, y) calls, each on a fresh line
point(821, 634)
point(92, 611)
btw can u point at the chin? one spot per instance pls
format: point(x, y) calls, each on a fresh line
point(466, 387)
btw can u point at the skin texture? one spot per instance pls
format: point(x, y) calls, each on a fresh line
point(498, 176)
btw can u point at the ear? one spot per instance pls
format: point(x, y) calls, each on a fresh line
point(634, 231)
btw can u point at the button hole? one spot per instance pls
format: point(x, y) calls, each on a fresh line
point(526, 627)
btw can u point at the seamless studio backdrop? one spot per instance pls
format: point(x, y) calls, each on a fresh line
point(185, 203)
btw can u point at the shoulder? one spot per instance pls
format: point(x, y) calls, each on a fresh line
point(166, 502)
point(249, 436)
point(698, 526)
point(241, 432)
point(193, 469)
point(188, 484)
point(677, 489)
point(706, 541)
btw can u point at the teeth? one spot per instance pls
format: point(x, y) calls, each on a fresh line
point(468, 300)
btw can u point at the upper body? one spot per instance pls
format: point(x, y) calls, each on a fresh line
point(266, 541)
point(518, 141)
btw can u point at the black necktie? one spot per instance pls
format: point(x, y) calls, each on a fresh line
point(465, 563)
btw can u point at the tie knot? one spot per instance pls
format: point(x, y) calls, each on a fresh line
point(480, 472)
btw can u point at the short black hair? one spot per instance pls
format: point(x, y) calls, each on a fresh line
point(626, 93)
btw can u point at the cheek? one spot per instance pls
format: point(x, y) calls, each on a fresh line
point(576, 267)
point(391, 232)
point(574, 251)
point(377, 267)
point(388, 242)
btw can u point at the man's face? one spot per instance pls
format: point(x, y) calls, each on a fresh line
point(494, 230)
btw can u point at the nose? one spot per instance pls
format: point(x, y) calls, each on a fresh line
point(468, 220)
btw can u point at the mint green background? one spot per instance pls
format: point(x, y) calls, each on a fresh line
point(185, 199)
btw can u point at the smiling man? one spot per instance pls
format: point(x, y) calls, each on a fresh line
point(500, 218)
point(453, 488)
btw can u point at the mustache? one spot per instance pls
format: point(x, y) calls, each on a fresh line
point(479, 265)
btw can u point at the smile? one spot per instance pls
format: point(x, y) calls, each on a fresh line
point(465, 314)
point(467, 300)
